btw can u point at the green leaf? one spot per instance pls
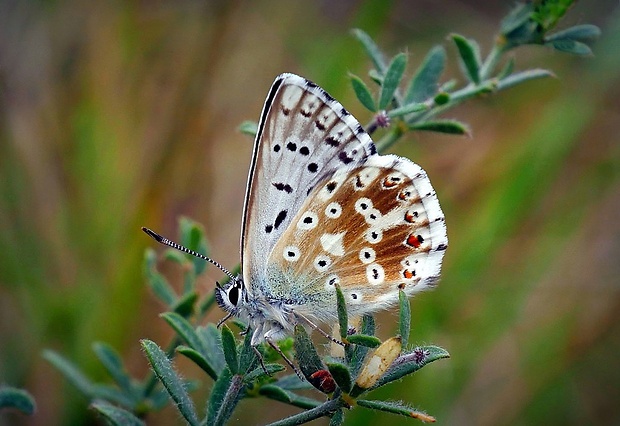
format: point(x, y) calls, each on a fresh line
point(162, 367)
point(410, 362)
point(395, 408)
point(258, 372)
point(404, 322)
point(358, 353)
point(391, 79)
point(227, 403)
point(337, 419)
point(249, 128)
point(363, 93)
point(186, 332)
point(583, 33)
point(452, 127)
point(184, 306)
point(570, 46)
point(116, 416)
point(193, 237)
point(306, 354)
point(198, 359)
point(113, 363)
point(218, 393)
point(71, 372)
point(364, 340)
point(523, 76)
point(426, 80)
point(17, 399)
point(343, 318)
point(229, 345)
point(248, 358)
point(518, 16)
point(469, 54)
point(407, 109)
point(212, 338)
point(277, 393)
point(372, 49)
point(341, 375)
point(292, 382)
point(158, 283)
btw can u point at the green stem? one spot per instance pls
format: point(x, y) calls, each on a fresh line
point(491, 61)
point(389, 139)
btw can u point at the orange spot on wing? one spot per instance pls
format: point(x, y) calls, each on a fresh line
point(413, 241)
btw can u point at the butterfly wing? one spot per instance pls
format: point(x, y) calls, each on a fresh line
point(372, 228)
point(303, 135)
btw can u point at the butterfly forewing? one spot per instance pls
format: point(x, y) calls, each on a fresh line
point(372, 228)
point(303, 136)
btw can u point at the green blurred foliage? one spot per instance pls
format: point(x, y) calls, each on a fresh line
point(116, 115)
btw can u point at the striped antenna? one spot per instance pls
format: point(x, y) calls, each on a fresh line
point(165, 241)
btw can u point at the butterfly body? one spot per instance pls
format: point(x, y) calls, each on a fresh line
point(323, 208)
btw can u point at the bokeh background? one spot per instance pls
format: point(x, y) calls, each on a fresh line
point(118, 114)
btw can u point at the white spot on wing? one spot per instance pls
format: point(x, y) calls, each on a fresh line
point(333, 244)
point(291, 253)
point(375, 274)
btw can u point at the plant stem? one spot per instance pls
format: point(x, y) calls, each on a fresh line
point(304, 417)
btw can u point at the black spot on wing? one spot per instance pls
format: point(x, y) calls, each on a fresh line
point(344, 158)
point(332, 141)
point(279, 219)
point(304, 150)
point(313, 167)
point(373, 148)
point(291, 146)
point(280, 186)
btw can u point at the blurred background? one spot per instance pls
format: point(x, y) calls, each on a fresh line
point(117, 114)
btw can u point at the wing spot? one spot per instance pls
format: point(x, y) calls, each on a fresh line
point(276, 148)
point(291, 253)
point(319, 125)
point(304, 150)
point(375, 274)
point(344, 158)
point(291, 146)
point(332, 141)
point(367, 255)
point(313, 167)
point(309, 220)
point(333, 210)
point(322, 263)
point(280, 186)
point(373, 236)
point(268, 229)
point(331, 186)
point(285, 111)
point(280, 218)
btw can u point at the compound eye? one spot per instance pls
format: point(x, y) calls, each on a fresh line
point(233, 295)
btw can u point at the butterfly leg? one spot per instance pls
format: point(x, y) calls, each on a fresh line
point(223, 320)
point(279, 351)
point(316, 327)
point(261, 360)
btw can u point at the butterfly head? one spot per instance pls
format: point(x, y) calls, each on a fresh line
point(231, 296)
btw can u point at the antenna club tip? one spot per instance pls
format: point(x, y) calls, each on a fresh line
point(153, 234)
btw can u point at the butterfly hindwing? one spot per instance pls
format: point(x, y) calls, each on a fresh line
point(372, 228)
point(303, 136)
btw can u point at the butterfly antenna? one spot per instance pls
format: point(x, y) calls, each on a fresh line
point(165, 241)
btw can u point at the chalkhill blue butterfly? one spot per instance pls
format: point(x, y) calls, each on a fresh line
point(322, 207)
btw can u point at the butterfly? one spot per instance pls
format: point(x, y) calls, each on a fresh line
point(323, 208)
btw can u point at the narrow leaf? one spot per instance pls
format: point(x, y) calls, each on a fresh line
point(186, 332)
point(343, 318)
point(404, 322)
point(213, 340)
point(198, 359)
point(363, 93)
point(372, 49)
point(508, 69)
point(452, 127)
point(248, 359)
point(230, 349)
point(337, 419)
point(229, 402)
point(160, 286)
point(583, 33)
point(396, 408)
point(391, 79)
point(276, 393)
point(356, 359)
point(258, 372)
point(249, 128)
point(469, 57)
point(17, 399)
point(116, 416)
point(218, 392)
point(164, 371)
point(341, 375)
point(306, 354)
point(426, 80)
point(570, 46)
point(411, 362)
point(71, 373)
point(113, 363)
point(184, 306)
point(518, 16)
point(364, 340)
point(523, 76)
